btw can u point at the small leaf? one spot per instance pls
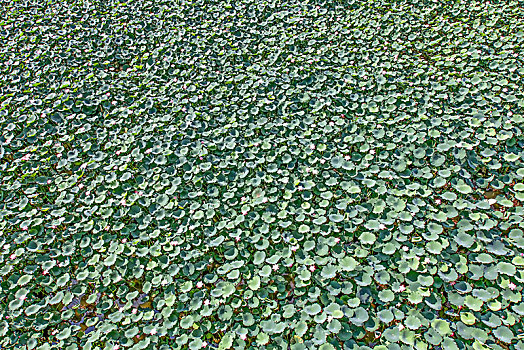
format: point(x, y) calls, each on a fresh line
point(368, 238)
point(254, 283)
point(504, 334)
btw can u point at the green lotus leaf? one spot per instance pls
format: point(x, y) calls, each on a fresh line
point(64, 334)
point(484, 258)
point(22, 281)
point(248, 319)
point(312, 309)
point(329, 271)
point(407, 337)
point(227, 341)
point(336, 218)
point(360, 315)
point(367, 238)
point(298, 346)
point(186, 286)
point(372, 225)
point(262, 338)
point(386, 295)
point(519, 308)
point(425, 280)
point(187, 322)
point(412, 322)
point(303, 229)
point(57, 298)
point(348, 263)
point(449, 344)
point(301, 329)
point(399, 165)
point(506, 268)
point(93, 297)
point(195, 344)
point(320, 220)
point(254, 284)
point(32, 309)
point(326, 346)
point(449, 196)
point(265, 271)
point(491, 320)
point(473, 303)
point(464, 240)
point(259, 257)
point(289, 311)
point(441, 326)
point(464, 189)
point(511, 157)
point(385, 316)
point(433, 337)
point(504, 334)
point(199, 214)
point(354, 190)
point(435, 228)
point(392, 334)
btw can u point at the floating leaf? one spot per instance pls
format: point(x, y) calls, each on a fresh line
point(504, 334)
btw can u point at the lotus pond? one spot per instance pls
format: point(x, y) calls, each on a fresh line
point(261, 175)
